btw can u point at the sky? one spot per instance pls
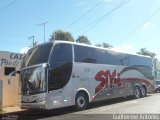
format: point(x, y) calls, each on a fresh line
point(128, 25)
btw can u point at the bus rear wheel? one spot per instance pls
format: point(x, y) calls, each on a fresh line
point(81, 101)
point(137, 92)
point(143, 91)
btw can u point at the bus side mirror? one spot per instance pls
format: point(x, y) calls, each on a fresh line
point(10, 75)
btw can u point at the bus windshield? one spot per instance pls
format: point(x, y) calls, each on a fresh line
point(37, 55)
point(33, 80)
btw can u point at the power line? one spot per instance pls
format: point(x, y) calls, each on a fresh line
point(7, 6)
point(33, 42)
point(44, 29)
point(103, 17)
point(136, 29)
point(95, 22)
point(84, 14)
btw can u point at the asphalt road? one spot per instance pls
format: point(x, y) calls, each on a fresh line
point(128, 108)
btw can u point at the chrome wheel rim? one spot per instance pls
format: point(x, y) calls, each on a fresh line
point(137, 93)
point(81, 101)
point(143, 92)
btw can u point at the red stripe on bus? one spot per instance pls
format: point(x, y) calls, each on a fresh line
point(142, 80)
point(136, 79)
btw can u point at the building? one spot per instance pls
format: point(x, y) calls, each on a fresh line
point(9, 62)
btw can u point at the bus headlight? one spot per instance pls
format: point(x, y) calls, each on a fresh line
point(41, 100)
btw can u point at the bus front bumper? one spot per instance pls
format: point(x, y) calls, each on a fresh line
point(41, 105)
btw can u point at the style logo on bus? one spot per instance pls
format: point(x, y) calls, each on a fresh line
point(107, 79)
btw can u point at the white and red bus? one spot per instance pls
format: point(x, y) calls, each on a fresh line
point(59, 74)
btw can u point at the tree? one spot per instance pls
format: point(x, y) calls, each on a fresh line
point(105, 45)
point(145, 52)
point(83, 39)
point(61, 35)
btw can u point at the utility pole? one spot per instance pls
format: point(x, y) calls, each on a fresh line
point(33, 42)
point(44, 25)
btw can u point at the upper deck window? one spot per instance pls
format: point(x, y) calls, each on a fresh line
point(37, 55)
point(100, 56)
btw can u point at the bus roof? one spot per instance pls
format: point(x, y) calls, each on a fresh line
point(92, 46)
point(83, 44)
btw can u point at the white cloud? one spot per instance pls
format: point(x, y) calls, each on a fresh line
point(24, 50)
point(127, 48)
point(158, 56)
point(147, 25)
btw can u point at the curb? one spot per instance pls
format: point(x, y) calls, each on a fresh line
point(13, 115)
point(12, 112)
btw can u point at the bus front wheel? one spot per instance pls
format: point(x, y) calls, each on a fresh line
point(81, 101)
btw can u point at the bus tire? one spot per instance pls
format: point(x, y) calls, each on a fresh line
point(143, 91)
point(137, 92)
point(81, 101)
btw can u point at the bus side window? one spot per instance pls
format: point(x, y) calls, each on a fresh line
point(84, 54)
point(60, 66)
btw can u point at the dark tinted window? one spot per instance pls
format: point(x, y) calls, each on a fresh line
point(140, 60)
point(61, 53)
point(142, 64)
point(60, 66)
point(8, 70)
point(85, 54)
point(101, 56)
point(37, 55)
point(109, 57)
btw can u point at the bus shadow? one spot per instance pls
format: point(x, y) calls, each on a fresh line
point(112, 101)
point(55, 113)
point(40, 114)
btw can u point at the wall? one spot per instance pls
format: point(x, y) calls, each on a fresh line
point(9, 59)
point(1, 93)
point(10, 91)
